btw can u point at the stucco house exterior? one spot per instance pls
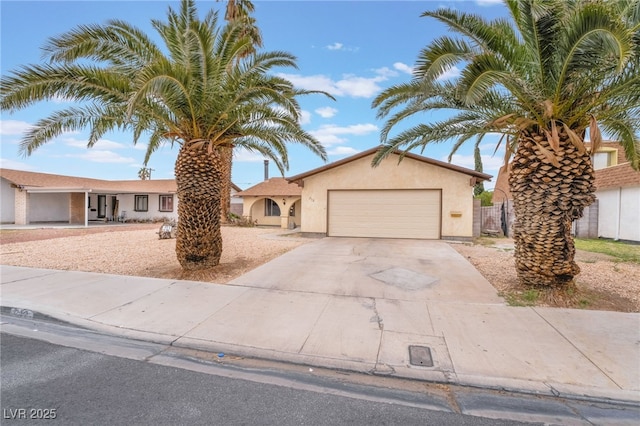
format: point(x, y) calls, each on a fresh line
point(418, 197)
point(616, 212)
point(30, 197)
point(274, 202)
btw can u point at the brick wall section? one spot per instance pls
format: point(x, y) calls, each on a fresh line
point(21, 207)
point(76, 208)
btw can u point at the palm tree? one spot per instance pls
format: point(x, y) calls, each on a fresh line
point(554, 71)
point(238, 12)
point(197, 95)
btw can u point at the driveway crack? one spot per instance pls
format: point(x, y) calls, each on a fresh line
point(380, 368)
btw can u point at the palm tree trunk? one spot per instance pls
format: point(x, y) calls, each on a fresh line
point(225, 196)
point(546, 199)
point(199, 179)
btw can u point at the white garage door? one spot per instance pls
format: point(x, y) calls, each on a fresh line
point(407, 213)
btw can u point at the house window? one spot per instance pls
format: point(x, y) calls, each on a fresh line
point(604, 159)
point(271, 208)
point(141, 203)
point(166, 203)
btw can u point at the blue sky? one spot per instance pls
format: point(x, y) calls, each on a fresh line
point(351, 49)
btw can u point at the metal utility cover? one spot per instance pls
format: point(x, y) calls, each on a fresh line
point(420, 356)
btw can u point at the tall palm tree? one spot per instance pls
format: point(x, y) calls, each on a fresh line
point(196, 95)
point(553, 72)
point(238, 12)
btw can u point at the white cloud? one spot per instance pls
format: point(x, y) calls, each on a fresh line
point(98, 156)
point(385, 72)
point(350, 85)
point(360, 87)
point(326, 112)
point(343, 150)
point(489, 2)
point(140, 146)
point(403, 67)
point(242, 155)
point(14, 127)
point(102, 144)
point(342, 47)
point(305, 117)
point(452, 72)
point(15, 165)
point(331, 134)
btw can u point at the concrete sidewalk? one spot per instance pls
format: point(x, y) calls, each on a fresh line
point(358, 305)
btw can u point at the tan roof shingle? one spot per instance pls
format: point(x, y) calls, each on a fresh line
point(274, 187)
point(37, 180)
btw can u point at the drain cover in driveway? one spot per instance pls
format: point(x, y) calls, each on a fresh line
point(421, 356)
point(404, 278)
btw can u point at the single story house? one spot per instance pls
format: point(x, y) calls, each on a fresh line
point(30, 197)
point(273, 202)
point(418, 197)
point(616, 212)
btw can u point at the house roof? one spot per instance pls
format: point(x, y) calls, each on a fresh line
point(501, 189)
point(50, 182)
point(620, 175)
point(274, 187)
point(473, 173)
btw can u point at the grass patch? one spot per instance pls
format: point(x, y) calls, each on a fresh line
point(522, 298)
point(622, 252)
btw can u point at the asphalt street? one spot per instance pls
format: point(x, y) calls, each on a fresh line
point(44, 382)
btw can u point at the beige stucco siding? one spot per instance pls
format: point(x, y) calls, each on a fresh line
point(253, 208)
point(457, 199)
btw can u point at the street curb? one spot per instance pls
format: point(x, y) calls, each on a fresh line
point(513, 386)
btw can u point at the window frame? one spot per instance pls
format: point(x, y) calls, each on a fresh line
point(160, 204)
point(135, 203)
point(269, 207)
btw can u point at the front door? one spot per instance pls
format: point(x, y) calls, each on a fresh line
point(102, 206)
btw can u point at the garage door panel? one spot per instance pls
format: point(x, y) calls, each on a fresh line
point(384, 213)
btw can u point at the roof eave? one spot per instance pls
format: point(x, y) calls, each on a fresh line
point(300, 177)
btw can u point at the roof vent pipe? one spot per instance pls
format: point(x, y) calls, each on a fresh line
point(266, 170)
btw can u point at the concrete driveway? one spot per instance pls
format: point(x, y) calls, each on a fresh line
point(375, 268)
point(356, 304)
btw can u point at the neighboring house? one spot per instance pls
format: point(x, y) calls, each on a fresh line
point(616, 212)
point(618, 194)
point(273, 202)
point(235, 202)
point(29, 197)
point(416, 198)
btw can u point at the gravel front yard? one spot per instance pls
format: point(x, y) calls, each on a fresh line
point(603, 283)
point(136, 250)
